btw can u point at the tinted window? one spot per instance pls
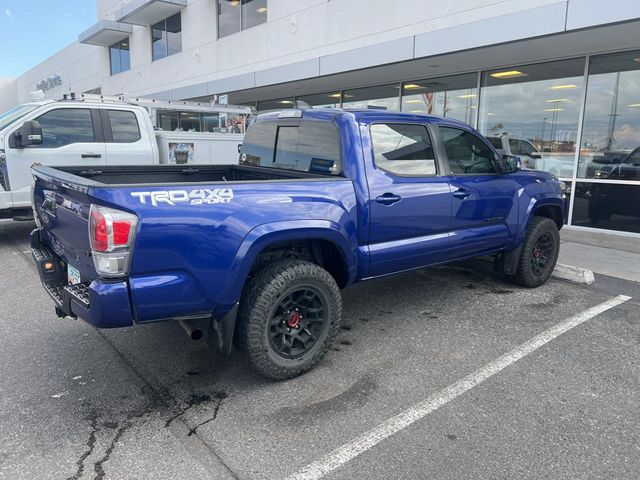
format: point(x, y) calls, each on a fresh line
point(124, 126)
point(120, 57)
point(496, 142)
point(258, 143)
point(526, 148)
point(514, 145)
point(65, 126)
point(254, 12)
point(403, 149)
point(166, 37)
point(311, 147)
point(466, 152)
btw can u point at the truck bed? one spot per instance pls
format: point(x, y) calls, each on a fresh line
point(157, 175)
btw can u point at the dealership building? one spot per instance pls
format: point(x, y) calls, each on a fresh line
point(554, 82)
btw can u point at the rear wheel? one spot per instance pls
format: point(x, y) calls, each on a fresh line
point(539, 253)
point(288, 315)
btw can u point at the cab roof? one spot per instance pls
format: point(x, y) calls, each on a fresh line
point(360, 116)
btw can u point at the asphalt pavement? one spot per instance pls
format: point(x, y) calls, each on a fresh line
point(147, 402)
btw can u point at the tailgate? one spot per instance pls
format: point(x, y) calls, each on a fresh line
point(61, 208)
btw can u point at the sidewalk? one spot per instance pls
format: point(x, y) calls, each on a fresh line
point(604, 253)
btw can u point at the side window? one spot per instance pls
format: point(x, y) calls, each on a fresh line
point(403, 149)
point(124, 126)
point(526, 148)
point(310, 147)
point(65, 126)
point(496, 142)
point(467, 153)
point(257, 146)
point(515, 146)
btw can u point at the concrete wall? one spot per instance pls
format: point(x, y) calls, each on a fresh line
point(8, 94)
point(306, 38)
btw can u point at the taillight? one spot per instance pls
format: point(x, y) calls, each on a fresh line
point(111, 235)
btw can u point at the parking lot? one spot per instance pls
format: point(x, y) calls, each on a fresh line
point(148, 402)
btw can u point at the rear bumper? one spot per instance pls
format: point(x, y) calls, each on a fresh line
point(99, 303)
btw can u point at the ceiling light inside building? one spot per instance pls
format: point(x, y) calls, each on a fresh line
point(413, 100)
point(509, 74)
point(563, 87)
point(490, 114)
point(634, 105)
point(469, 95)
point(416, 111)
point(234, 3)
point(261, 10)
point(286, 102)
point(553, 100)
point(553, 109)
point(335, 95)
point(412, 86)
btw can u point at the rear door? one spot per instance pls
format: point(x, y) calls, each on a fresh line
point(72, 136)
point(484, 201)
point(128, 142)
point(409, 199)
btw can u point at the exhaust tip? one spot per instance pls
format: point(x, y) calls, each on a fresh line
point(196, 334)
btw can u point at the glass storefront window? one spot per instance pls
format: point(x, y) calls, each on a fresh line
point(327, 100)
point(237, 15)
point(382, 97)
point(454, 97)
point(607, 205)
point(539, 107)
point(611, 129)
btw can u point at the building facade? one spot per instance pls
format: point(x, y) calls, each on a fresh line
point(556, 82)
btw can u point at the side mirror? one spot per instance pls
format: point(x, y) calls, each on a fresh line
point(509, 163)
point(535, 155)
point(29, 134)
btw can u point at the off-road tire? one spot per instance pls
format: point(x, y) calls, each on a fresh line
point(261, 297)
point(525, 274)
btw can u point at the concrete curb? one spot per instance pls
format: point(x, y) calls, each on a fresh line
point(574, 274)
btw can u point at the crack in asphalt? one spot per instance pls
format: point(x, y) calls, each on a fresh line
point(91, 444)
point(220, 396)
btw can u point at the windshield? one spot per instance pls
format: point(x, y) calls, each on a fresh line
point(10, 116)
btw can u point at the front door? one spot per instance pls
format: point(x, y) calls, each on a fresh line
point(484, 208)
point(409, 199)
point(71, 136)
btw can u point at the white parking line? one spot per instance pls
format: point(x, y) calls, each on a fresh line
point(364, 442)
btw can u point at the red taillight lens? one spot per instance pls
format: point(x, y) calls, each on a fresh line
point(99, 231)
point(121, 230)
point(110, 229)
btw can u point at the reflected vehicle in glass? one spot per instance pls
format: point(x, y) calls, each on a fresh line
point(628, 168)
point(532, 158)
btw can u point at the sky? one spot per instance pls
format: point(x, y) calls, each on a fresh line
point(33, 30)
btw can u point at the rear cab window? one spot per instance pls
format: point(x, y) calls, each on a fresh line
point(124, 126)
point(304, 146)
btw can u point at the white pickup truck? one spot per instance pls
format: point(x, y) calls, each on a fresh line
point(560, 165)
point(95, 132)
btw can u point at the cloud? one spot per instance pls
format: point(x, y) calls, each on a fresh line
point(7, 12)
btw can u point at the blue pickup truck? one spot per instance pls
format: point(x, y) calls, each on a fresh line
point(255, 254)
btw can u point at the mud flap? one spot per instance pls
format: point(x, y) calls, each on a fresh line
point(510, 260)
point(224, 328)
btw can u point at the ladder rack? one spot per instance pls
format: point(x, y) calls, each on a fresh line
point(150, 103)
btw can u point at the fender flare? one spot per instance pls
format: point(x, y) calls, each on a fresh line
point(268, 234)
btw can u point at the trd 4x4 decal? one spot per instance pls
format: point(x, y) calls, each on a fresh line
point(198, 196)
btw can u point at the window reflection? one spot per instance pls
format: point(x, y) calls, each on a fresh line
point(381, 97)
point(534, 111)
point(611, 130)
point(607, 205)
point(277, 104)
point(454, 97)
point(325, 100)
point(254, 12)
point(166, 37)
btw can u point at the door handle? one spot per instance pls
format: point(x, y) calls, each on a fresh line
point(388, 199)
point(461, 193)
point(91, 155)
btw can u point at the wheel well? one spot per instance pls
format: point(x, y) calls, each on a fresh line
point(550, 211)
point(321, 252)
